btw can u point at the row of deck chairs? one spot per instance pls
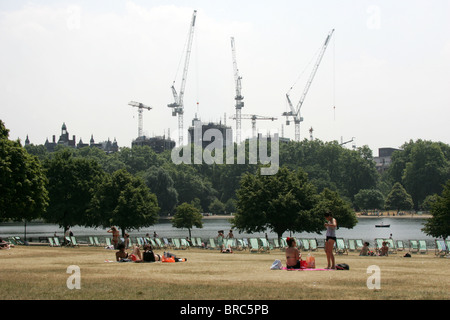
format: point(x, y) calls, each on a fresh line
point(412, 246)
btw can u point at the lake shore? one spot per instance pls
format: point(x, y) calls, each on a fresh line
point(390, 215)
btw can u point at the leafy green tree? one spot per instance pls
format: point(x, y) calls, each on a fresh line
point(162, 185)
point(330, 201)
point(124, 201)
point(190, 185)
point(358, 173)
point(230, 206)
point(367, 199)
point(71, 183)
point(23, 193)
point(399, 199)
point(439, 224)
point(281, 202)
point(426, 171)
point(187, 216)
point(217, 207)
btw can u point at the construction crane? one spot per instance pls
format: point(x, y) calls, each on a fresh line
point(177, 106)
point(295, 112)
point(254, 117)
point(238, 97)
point(141, 108)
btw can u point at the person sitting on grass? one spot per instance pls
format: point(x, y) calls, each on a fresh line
point(365, 249)
point(123, 256)
point(293, 255)
point(384, 249)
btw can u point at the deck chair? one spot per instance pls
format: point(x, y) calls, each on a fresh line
point(400, 246)
point(108, 242)
point(265, 245)
point(184, 244)
point(68, 241)
point(305, 244)
point(140, 241)
point(51, 242)
point(378, 245)
point(74, 241)
point(313, 244)
point(447, 244)
point(199, 242)
point(96, 242)
point(359, 244)
point(283, 244)
point(240, 245)
point(423, 246)
point(341, 248)
point(246, 245)
point(276, 243)
point(159, 243)
point(254, 246)
point(56, 242)
point(166, 243)
point(351, 245)
point(212, 244)
point(441, 248)
point(91, 241)
point(413, 246)
point(391, 245)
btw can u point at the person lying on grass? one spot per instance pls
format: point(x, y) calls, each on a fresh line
point(147, 256)
point(137, 256)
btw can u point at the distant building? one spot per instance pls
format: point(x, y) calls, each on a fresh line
point(64, 140)
point(199, 139)
point(383, 161)
point(158, 144)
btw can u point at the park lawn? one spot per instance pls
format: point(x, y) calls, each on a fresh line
point(40, 272)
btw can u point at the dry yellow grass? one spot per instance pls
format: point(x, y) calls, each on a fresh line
point(40, 273)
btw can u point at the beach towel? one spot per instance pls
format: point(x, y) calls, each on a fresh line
point(307, 269)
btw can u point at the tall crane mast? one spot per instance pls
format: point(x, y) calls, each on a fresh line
point(295, 113)
point(238, 97)
point(254, 117)
point(141, 108)
point(177, 106)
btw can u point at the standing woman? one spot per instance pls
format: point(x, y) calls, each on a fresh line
point(115, 236)
point(331, 226)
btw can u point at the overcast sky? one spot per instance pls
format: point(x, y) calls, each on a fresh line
point(384, 78)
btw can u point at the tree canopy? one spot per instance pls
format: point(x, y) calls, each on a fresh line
point(23, 193)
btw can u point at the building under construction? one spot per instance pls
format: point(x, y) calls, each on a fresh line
point(158, 144)
point(199, 139)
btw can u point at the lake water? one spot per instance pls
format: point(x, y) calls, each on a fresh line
point(400, 228)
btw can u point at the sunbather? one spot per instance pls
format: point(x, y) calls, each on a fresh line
point(293, 255)
point(384, 249)
point(123, 256)
point(4, 244)
point(365, 249)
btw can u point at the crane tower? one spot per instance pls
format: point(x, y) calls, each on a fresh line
point(295, 113)
point(141, 108)
point(253, 117)
point(177, 106)
point(238, 97)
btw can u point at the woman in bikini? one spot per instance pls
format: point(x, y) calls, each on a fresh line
point(330, 240)
point(292, 255)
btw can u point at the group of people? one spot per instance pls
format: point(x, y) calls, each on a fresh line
point(365, 251)
point(293, 255)
point(145, 254)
